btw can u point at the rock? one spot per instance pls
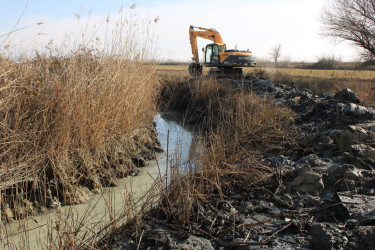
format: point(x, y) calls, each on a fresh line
point(193, 242)
point(280, 162)
point(314, 161)
point(353, 113)
point(325, 236)
point(346, 95)
point(353, 174)
point(312, 201)
point(259, 85)
point(366, 237)
point(308, 181)
point(265, 85)
point(338, 170)
point(369, 127)
point(344, 177)
point(256, 84)
point(280, 94)
point(321, 238)
point(348, 136)
point(360, 207)
point(363, 151)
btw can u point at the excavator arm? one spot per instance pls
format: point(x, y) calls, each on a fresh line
point(209, 34)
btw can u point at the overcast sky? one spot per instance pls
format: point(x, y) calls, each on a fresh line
point(257, 25)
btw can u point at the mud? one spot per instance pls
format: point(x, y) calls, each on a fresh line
point(325, 193)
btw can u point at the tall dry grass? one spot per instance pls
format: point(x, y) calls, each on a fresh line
point(74, 119)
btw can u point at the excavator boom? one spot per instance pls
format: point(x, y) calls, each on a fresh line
point(209, 34)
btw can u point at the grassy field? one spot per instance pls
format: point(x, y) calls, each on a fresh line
point(327, 74)
point(319, 81)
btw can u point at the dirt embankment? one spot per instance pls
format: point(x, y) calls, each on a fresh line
point(308, 183)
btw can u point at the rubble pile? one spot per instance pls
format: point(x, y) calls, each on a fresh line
point(333, 189)
point(326, 193)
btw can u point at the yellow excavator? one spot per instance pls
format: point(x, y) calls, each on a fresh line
point(222, 62)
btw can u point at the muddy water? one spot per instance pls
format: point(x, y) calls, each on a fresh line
point(91, 216)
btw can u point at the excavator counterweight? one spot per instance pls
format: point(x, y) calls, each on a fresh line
point(222, 62)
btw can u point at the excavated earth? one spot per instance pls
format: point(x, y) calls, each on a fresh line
point(326, 196)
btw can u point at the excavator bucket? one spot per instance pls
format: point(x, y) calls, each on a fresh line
point(195, 69)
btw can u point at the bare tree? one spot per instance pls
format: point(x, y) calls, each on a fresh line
point(275, 53)
point(353, 21)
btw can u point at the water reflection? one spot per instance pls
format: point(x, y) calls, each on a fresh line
point(178, 140)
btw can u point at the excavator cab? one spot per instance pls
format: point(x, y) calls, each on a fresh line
point(212, 54)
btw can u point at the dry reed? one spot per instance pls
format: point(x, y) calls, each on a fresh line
point(75, 120)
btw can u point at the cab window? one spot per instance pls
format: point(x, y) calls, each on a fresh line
point(222, 48)
point(208, 54)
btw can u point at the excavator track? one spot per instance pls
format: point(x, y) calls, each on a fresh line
point(232, 73)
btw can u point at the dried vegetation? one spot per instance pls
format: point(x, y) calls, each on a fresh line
point(239, 128)
point(73, 122)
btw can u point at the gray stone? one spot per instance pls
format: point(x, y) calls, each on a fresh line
point(348, 136)
point(314, 161)
point(366, 237)
point(194, 242)
point(363, 151)
point(255, 84)
point(312, 201)
point(280, 162)
point(352, 112)
point(346, 95)
point(327, 236)
point(360, 207)
point(308, 181)
point(321, 237)
point(353, 174)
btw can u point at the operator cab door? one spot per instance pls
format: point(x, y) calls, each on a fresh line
point(212, 54)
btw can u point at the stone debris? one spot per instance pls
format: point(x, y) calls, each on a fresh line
point(361, 208)
point(326, 237)
point(346, 95)
point(337, 179)
point(326, 195)
point(352, 113)
point(308, 181)
point(350, 135)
